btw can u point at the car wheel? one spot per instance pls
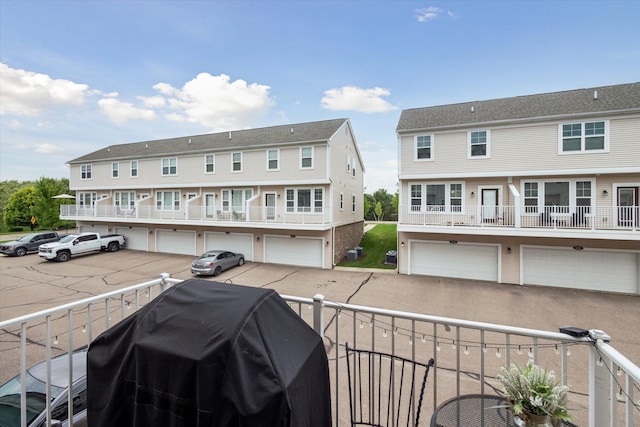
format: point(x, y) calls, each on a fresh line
point(113, 247)
point(217, 271)
point(63, 256)
point(20, 252)
point(241, 261)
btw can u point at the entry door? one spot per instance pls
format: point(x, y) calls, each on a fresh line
point(489, 204)
point(270, 206)
point(628, 206)
point(209, 203)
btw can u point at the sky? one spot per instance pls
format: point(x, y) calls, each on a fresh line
point(77, 76)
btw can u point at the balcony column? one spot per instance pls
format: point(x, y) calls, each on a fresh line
point(318, 317)
point(599, 390)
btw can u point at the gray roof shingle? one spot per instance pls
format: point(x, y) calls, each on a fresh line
point(239, 139)
point(616, 98)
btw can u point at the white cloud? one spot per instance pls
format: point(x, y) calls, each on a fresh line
point(215, 102)
point(431, 13)
point(28, 93)
point(119, 112)
point(153, 101)
point(357, 99)
point(48, 148)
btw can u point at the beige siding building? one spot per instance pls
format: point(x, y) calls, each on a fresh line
point(536, 190)
point(289, 194)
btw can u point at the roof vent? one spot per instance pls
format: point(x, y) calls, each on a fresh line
point(108, 149)
point(146, 145)
point(291, 130)
point(472, 108)
point(189, 140)
point(595, 94)
point(229, 134)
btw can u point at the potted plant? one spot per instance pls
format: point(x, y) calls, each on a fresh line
point(534, 394)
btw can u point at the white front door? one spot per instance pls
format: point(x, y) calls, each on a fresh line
point(270, 206)
point(489, 204)
point(628, 206)
point(209, 203)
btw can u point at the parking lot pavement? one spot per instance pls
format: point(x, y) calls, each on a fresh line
point(29, 284)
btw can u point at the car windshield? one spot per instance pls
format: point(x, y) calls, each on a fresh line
point(36, 398)
point(26, 238)
point(207, 255)
point(68, 238)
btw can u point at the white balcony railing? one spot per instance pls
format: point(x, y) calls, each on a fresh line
point(199, 213)
point(604, 384)
point(558, 217)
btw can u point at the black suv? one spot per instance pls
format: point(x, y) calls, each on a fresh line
point(29, 243)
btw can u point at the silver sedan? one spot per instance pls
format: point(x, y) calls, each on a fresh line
point(215, 262)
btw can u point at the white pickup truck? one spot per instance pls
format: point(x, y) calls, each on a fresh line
point(76, 244)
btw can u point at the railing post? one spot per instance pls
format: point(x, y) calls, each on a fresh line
point(599, 386)
point(163, 282)
point(318, 318)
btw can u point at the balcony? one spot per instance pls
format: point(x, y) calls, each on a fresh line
point(270, 217)
point(604, 383)
point(529, 220)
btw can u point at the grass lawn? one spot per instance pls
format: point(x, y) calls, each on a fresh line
point(375, 244)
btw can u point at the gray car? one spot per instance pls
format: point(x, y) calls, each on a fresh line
point(212, 263)
point(29, 243)
point(37, 397)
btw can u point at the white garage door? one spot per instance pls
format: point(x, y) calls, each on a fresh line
point(102, 230)
point(582, 269)
point(293, 251)
point(176, 242)
point(234, 242)
point(461, 260)
point(136, 238)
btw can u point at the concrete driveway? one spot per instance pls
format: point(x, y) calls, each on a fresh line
point(29, 284)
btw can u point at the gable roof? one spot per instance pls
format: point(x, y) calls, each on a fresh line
point(624, 98)
point(300, 133)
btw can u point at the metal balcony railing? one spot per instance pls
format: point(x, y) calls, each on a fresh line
point(549, 217)
point(604, 384)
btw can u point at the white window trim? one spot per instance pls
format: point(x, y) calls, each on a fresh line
point(241, 162)
point(88, 170)
point(131, 168)
point(447, 197)
point(117, 200)
point(582, 150)
point(488, 154)
point(176, 197)
point(296, 208)
point(277, 150)
point(115, 167)
point(162, 166)
point(572, 194)
point(312, 158)
point(213, 162)
point(341, 202)
point(432, 147)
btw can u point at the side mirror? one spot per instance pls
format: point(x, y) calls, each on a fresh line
point(75, 242)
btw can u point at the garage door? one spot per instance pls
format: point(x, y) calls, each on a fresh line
point(137, 238)
point(102, 230)
point(234, 242)
point(176, 242)
point(461, 260)
point(582, 269)
point(293, 251)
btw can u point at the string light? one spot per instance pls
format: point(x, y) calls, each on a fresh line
point(453, 344)
point(519, 350)
point(619, 372)
point(620, 395)
point(484, 348)
point(395, 331)
point(410, 340)
point(84, 328)
point(530, 353)
point(600, 362)
point(55, 340)
point(556, 350)
point(361, 325)
point(498, 354)
point(437, 346)
point(423, 339)
point(466, 350)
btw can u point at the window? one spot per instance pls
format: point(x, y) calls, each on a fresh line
point(235, 200)
point(306, 157)
point(85, 172)
point(341, 201)
point(134, 168)
point(115, 170)
point(353, 168)
point(531, 197)
point(582, 137)
point(353, 203)
point(125, 199)
point(583, 196)
point(436, 197)
point(209, 163)
point(479, 144)
point(273, 160)
point(168, 201)
point(236, 162)
point(87, 200)
point(348, 164)
point(556, 194)
point(170, 166)
point(299, 200)
point(423, 147)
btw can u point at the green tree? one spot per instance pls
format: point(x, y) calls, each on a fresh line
point(385, 198)
point(378, 211)
point(47, 209)
point(19, 208)
point(369, 204)
point(7, 188)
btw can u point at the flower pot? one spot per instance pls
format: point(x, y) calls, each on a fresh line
point(530, 420)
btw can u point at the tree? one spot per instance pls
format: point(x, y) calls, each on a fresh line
point(19, 208)
point(47, 209)
point(7, 188)
point(384, 198)
point(369, 204)
point(378, 211)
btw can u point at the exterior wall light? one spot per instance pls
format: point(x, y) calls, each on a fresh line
point(453, 242)
point(578, 248)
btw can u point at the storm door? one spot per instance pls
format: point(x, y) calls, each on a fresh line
point(628, 209)
point(270, 206)
point(489, 204)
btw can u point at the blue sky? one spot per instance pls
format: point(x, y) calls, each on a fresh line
point(76, 76)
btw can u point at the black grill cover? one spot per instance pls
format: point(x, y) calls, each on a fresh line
point(209, 354)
